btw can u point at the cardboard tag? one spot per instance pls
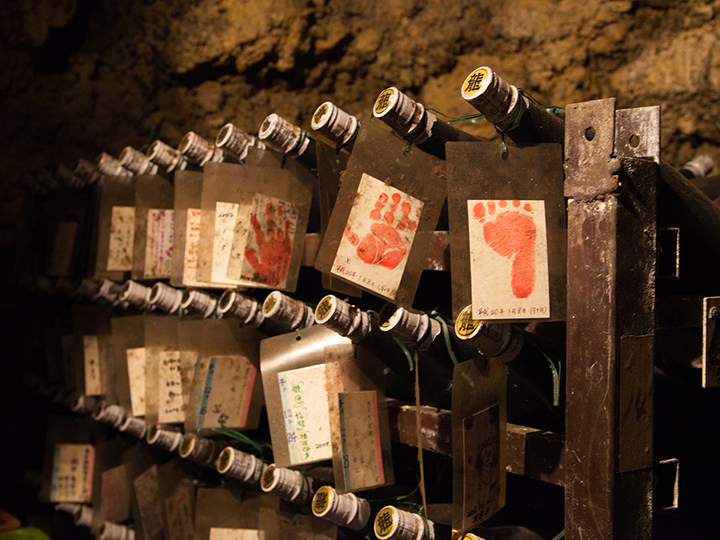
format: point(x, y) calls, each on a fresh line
point(146, 493)
point(63, 243)
point(234, 534)
point(508, 259)
point(136, 377)
point(227, 393)
point(171, 408)
point(378, 237)
point(159, 243)
point(179, 512)
point(361, 444)
point(91, 356)
point(304, 393)
point(479, 418)
point(481, 455)
point(269, 236)
point(115, 494)
point(192, 239)
point(72, 473)
point(122, 234)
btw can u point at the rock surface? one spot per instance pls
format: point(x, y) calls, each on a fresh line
point(78, 77)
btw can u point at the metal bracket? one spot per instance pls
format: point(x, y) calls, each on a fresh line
point(711, 342)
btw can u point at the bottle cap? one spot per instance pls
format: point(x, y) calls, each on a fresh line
point(196, 148)
point(239, 465)
point(166, 156)
point(109, 414)
point(410, 119)
point(699, 166)
point(234, 140)
point(136, 294)
point(342, 318)
point(83, 516)
point(87, 171)
point(134, 426)
point(108, 291)
point(136, 162)
point(112, 531)
point(164, 438)
point(241, 306)
point(498, 340)
point(198, 301)
point(165, 297)
point(281, 134)
point(287, 312)
point(490, 94)
point(391, 522)
point(108, 165)
point(289, 485)
point(69, 178)
point(412, 328)
point(344, 510)
point(334, 123)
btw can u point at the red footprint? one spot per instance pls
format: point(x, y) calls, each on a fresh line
point(511, 234)
point(384, 246)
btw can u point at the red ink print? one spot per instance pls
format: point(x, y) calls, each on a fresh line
point(516, 203)
point(502, 204)
point(384, 246)
point(274, 262)
point(511, 234)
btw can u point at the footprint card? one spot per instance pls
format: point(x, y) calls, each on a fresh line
point(508, 259)
point(378, 236)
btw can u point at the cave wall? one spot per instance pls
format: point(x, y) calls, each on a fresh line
point(78, 77)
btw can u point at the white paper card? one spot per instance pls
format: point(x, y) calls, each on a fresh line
point(122, 236)
point(304, 394)
point(226, 215)
point(228, 392)
point(192, 239)
point(136, 378)
point(508, 259)
point(72, 474)
point(91, 356)
point(159, 243)
point(378, 237)
point(234, 534)
point(170, 395)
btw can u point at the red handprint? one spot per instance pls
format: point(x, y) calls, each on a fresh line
point(384, 246)
point(275, 252)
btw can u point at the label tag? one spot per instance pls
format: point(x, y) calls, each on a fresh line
point(62, 248)
point(171, 408)
point(481, 454)
point(91, 356)
point(508, 259)
point(115, 494)
point(72, 475)
point(269, 234)
point(226, 215)
point(228, 392)
point(146, 492)
point(361, 447)
point(275, 525)
point(234, 534)
point(159, 243)
point(122, 235)
point(304, 395)
point(192, 241)
point(378, 237)
point(179, 512)
point(136, 378)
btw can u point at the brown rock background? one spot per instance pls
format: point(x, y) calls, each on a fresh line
point(78, 77)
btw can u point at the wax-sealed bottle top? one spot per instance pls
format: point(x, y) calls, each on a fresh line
point(136, 162)
point(410, 119)
point(195, 300)
point(287, 312)
point(345, 510)
point(165, 297)
point(199, 150)
point(343, 318)
point(500, 340)
point(245, 308)
point(288, 138)
point(698, 167)
point(108, 165)
point(500, 102)
point(393, 523)
point(166, 156)
point(413, 328)
point(234, 140)
point(334, 123)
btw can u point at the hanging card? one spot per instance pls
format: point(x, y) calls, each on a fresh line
point(479, 417)
point(115, 228)
point(386, 211)
point(72, 475)
point(508, 231)
point(154, 227)
point(230, 509)
point(145, 487)
point(161, 349)
point(128, 341)
point(91, 357)
point(115, 494)
point(277, 525)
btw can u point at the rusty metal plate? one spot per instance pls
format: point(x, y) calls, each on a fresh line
point(382, 158)
point(477, 170)
point(637, 133)
point(711, 342)
point(589, 145)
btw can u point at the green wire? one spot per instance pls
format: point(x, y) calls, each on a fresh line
point(446, 334)
point(243, 438)
point(560, 535)
point(403, 348)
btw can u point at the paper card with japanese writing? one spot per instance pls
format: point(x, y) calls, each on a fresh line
point(226, 217)
point(192, 240)
point(304, 395)
point(136, 378)
point(122, 234)
point(179, 510)
point(269, 240)
point(159, 243)
point(72, 473)
point(228, 392)
point(481, 455)
point(91, 355)
point(171, 407)
point(378, 236)
point(508, 259)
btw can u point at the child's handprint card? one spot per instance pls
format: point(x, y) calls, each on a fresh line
point(378, 237)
